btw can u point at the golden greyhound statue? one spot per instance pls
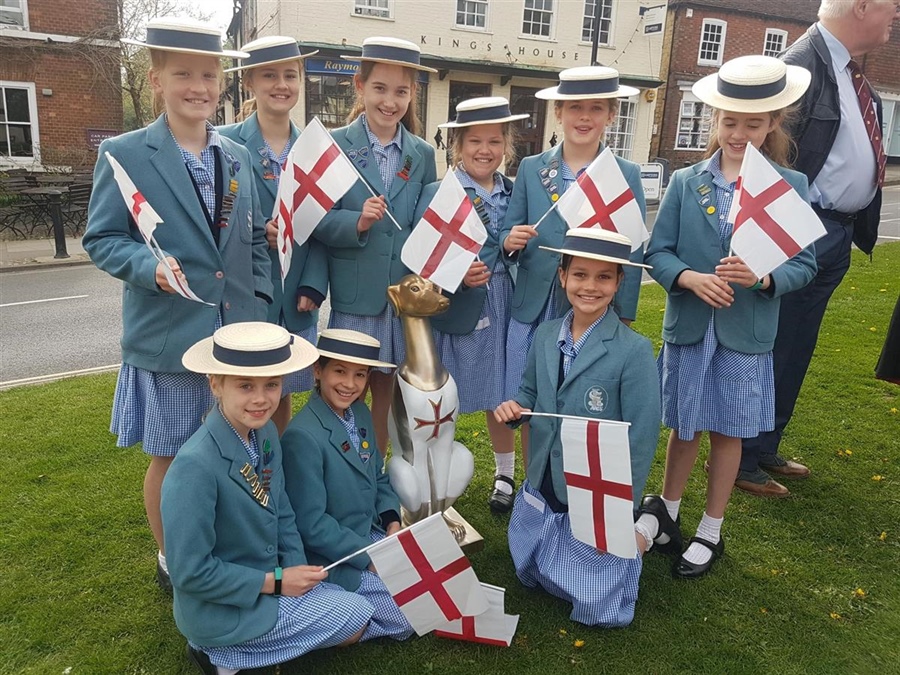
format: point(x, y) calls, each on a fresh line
point(429, 469)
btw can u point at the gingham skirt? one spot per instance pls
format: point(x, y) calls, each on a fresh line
point(301, 380)
point(388, 620)
point(518, 341)
point(477, 360)
point(161, 409)
point(324, 616)
point(707, 387)
point(384, 327)
point(602, 588)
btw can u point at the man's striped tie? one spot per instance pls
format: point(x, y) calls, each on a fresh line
point(873, 129)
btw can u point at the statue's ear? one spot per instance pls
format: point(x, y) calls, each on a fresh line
point(393, 293)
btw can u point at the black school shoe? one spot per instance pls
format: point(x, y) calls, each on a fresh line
point(500, 502)
point(654, 506)
point(201, 660)
point(163, 580)
point(684, 569)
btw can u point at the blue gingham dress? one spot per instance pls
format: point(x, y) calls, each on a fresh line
point(301, 380)
point(388, 620)
point(164, 409)
point(708, 387)
point(477, 361)
point(384, 327)
point(520, 335)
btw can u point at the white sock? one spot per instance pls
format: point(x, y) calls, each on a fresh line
point(226, 671)
point(162, 561)
point(647, 526)
point(709, 529)
point(506, 466)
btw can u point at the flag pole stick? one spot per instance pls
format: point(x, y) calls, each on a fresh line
point(371, 190)
point(576, 417)
point(540, 220)
point(365, 549)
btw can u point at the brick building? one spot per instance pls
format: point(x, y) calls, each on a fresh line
point(508, 48)
point(700, 35)
point(59, 81)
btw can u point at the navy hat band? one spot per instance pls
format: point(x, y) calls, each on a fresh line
point(349, 349)
point(751, 91)
point(610, 249)
point(587, 87)
point(238, 357)
point(179, 39)
point(273, 53)
point(483, 114)
point(390, 53)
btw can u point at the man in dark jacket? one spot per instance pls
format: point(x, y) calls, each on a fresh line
point(839, 147)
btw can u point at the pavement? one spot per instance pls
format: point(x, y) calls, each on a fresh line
point(21, 254)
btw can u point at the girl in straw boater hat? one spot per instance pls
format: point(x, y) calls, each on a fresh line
point(720, 323)
point(201, 186)
point(245, 596)
point(335, 478)
point(586, 364)
point(471, 335)
point(586, 103)
point(273, 75)
point(363, 243)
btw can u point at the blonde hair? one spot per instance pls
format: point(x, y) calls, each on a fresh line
point(457, 136)
point(158, 58)
point(410, 120)
point(778, 146)
point(613, 104)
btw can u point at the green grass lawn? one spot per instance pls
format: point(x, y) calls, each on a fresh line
point(807, 585)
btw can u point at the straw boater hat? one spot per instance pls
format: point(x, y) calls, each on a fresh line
point(351, 346)
point(268, 51)
point(185, 35)
point(587, 82)
point(483, 110)
point(251, 349)
point(753, 84)
point(597, 244)
point(390, 50)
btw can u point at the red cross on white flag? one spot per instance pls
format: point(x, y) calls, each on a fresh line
point(315, 175)
point(447, 238)
point(772, 223)
point(602, 198)
point(493, 627)
point(597, 469)
point(428, 575)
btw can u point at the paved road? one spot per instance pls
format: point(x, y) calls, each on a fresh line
point(56, 321)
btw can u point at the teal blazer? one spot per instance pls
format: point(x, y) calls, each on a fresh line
point(361, 267)
point(466, 304)
point(220, 541)
point(309, 264)
point(616, 367)
point(338, 498)
point(686, 237)
point(235, 276)
point(537, 270)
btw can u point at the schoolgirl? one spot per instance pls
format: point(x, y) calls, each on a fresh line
point(471, 335)
point(586, 103)
point(203, 190)
point(363, 243)
point(245, 596)
point(334, 474)
point(715, 365)
point(587, 364)
point(273, 75)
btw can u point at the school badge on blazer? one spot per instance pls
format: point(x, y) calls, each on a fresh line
point(595, 399)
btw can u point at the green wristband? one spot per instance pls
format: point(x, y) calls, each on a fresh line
point(756, 286)
point(277, 590)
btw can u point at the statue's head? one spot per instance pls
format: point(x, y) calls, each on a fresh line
point(415, 296)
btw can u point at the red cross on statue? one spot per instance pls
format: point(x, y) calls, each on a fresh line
point(451, 233)
point(754, 206)
point(602, 211)
point(437, 421)
point(596, 485)
point(307, 183)
point(430, 580)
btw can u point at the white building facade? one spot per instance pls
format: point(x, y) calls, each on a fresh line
point(508, 48)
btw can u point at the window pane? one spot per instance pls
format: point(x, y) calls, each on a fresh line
point(20, 140)
point(17, 106)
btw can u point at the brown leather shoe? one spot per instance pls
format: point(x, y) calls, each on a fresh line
point(786, 468)
point(770, 488)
